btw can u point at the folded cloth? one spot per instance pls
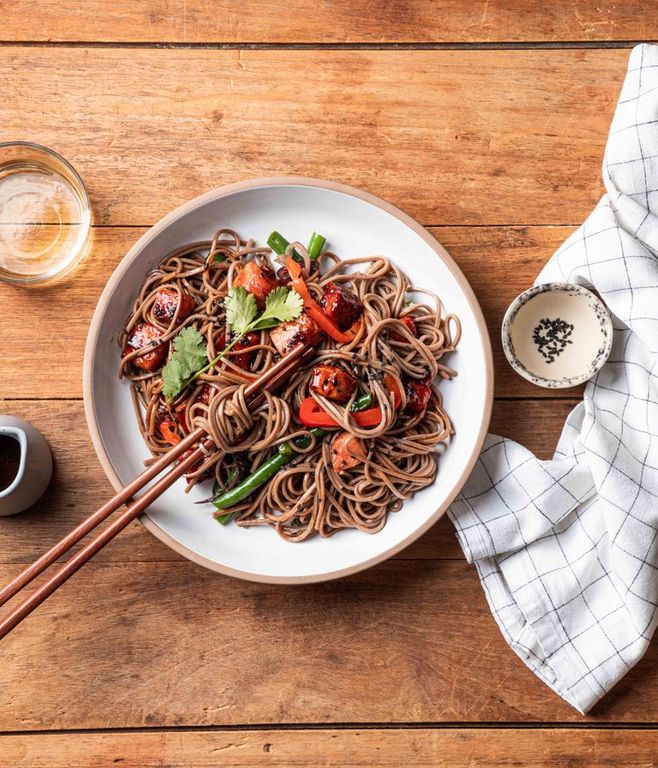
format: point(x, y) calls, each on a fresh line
point(567, 549)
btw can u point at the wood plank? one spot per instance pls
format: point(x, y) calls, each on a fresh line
point(348, 748)
point(451, 136)
point(79, 485)
point(513, 257)
point(341, 21)
point(171, 644)
point(500, 263)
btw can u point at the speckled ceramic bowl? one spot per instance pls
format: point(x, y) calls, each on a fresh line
point(542, 324)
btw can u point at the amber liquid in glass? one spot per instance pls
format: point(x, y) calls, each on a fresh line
point(42, 219)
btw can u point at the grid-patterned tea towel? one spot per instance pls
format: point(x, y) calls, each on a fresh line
point(567, 549)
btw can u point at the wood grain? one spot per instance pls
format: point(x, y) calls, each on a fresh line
point(487, 143)
point(344, 748)
point(79, 485)
point(452, 137)
point(170, 644)
point(339, 21)
point(513, 256)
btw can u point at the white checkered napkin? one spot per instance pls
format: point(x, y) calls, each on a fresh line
point(567, 549)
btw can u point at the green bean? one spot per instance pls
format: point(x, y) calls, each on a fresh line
point(315, 246)
point(277, 243)
point(361, 403)
point(304, 441)
point(285, 454)
point(265, 472)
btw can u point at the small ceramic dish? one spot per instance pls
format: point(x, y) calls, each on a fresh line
point(557, 335)
point(34, 465)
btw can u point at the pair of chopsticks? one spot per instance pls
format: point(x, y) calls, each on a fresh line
point(270, 380)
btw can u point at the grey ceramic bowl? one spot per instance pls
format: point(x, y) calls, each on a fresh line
point(590, 364)
point(35, 466)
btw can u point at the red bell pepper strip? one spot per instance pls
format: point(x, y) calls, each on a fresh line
point(311, 413)
point(315, 310)
point(169, 432)
point(180, 417)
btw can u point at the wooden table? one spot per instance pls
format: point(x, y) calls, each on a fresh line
point(477, 119)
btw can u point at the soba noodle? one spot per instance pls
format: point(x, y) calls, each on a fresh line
point(307, 496)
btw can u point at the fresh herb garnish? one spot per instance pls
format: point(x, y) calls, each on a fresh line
point(241, 309)
point(242, 316)
point(190, 353)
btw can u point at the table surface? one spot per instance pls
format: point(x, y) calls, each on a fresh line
point(486, 121)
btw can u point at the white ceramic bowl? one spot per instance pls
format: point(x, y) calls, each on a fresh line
point(355, 224)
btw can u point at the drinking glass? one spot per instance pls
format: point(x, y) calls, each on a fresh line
point(45, 216)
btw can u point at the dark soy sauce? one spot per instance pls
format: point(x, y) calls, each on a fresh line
point(10, 455)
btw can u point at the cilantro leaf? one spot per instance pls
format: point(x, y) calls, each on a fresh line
point(173, 378)
point(190, 355)
point(189, 344)
point(281, 305)
point(241, 310)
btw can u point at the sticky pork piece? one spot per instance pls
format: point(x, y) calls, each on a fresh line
point(257, 280)
point(166, 304)
point(287, 336)
point(247, 342)
point(341, 306)
point(347, 451)
point(332, 382)
point(143, 335)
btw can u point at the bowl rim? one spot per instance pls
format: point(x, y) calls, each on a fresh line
point(520, 301)
point(224, 191)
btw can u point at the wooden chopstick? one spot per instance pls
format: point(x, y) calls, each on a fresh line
point(87, 525)
point(270, 379)
point(67, 570)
